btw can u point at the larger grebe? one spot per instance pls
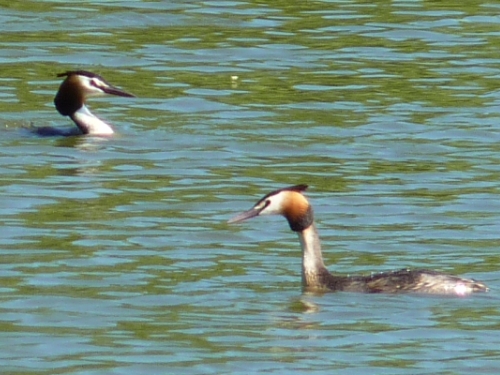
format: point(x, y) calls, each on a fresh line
point(293, 205)
point(70, 101)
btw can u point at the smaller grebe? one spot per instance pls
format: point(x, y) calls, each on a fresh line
point(70, 101)
point(293, 205)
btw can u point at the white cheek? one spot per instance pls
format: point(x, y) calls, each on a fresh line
point(89, 86)
point(275, 207)
point(94, 87)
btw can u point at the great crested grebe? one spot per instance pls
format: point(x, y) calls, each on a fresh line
point(293, 205)
point(70, 101)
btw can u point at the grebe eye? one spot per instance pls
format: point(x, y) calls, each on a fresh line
point(96, 83)
point(262, 205)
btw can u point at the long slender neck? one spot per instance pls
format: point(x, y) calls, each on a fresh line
point(90, 124)
point(313, 268)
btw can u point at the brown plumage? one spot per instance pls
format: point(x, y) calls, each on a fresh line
point(69, 97)
point(294, 206)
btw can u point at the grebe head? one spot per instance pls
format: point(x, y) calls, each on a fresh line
point(288, 202)
point(78, 85)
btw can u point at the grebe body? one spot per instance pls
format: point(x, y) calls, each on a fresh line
point(294, 206)
point(70, 101)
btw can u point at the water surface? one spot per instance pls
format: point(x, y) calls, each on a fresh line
point(115, 253)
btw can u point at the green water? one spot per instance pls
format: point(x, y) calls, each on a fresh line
point(115, 254)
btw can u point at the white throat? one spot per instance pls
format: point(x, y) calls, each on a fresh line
point(312, 259)
point(90, 124)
